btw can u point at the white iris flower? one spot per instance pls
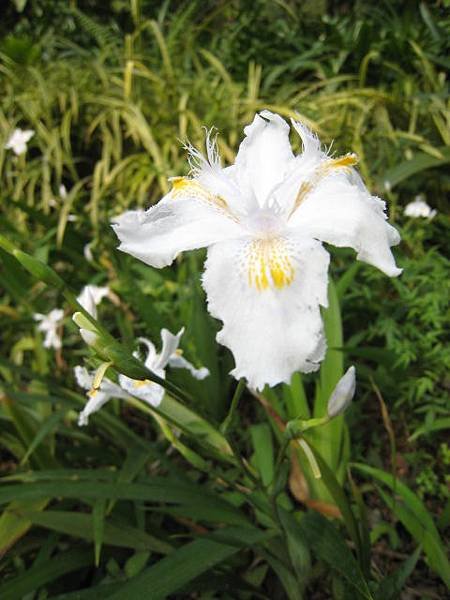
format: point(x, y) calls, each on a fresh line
point(263, 221)
point(419, 208)
point(150, 392)
point(49, 324)
point(18, 140)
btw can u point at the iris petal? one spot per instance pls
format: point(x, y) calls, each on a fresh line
point(275, 330)
point(344, 214)
point(188, 217)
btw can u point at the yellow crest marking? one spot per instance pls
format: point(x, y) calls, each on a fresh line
point(269, 264)
point(139, 384)
point(186, 186)
point(322, 171)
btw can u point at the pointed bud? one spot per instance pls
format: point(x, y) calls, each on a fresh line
point(88, 331)
point(342, 394)
point(83, 322)
point(89, 337)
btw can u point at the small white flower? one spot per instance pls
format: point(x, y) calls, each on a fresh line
point(87, 251)
point(419, 208)
point(62, 191)
point(49, 324)
point(97, 398)
point(170, 356)
point(263, 221)
point(342, 394)
point(147, 390)
point(91, 296)
point(17, 141)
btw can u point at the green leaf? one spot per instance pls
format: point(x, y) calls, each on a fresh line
point(98, 592)
point(170, 574)
point(194, 425)
point(331, 547)
point(332, 368)
point(363, 527)
point(420, 162)
point(202, 330)
point(286, 577)
point(136, 563)
point(263, 446)
point(432, 545)
point(28, 430)
point(329, 439)
point(47, 426)
point(204, 511)
point(346, 279)
point(98, 525)
point(295, 399)
point(297, 548)
point(392, 585)
point(337, 493)
point(436, 425)
point(39, 269)
point(13, 525)
point(82, 526)
point(158, 490)
point(34, 578)
point(414, 515)
point(136, 458)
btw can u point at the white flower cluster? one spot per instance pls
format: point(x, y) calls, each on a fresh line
point(152, 393)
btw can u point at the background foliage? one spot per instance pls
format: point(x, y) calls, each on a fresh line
point(112, 91)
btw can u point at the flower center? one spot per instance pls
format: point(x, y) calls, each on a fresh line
point(264, 223)
point(269, 264)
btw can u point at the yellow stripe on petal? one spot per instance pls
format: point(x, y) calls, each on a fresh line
point(269, 264)
point(139, 384)
point(349, 160)
point(322, 171)
point(183, 186)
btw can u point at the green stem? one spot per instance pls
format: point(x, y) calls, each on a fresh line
point(246, 467)
point(234, 404)
point(280, 456)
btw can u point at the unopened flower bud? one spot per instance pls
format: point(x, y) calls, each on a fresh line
point(342, 394)
point(88, 331)
point(89, 337)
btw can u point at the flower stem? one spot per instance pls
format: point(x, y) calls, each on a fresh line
point(280, 456)
point(234, 403)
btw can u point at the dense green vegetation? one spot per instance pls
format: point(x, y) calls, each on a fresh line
point(125, 508)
